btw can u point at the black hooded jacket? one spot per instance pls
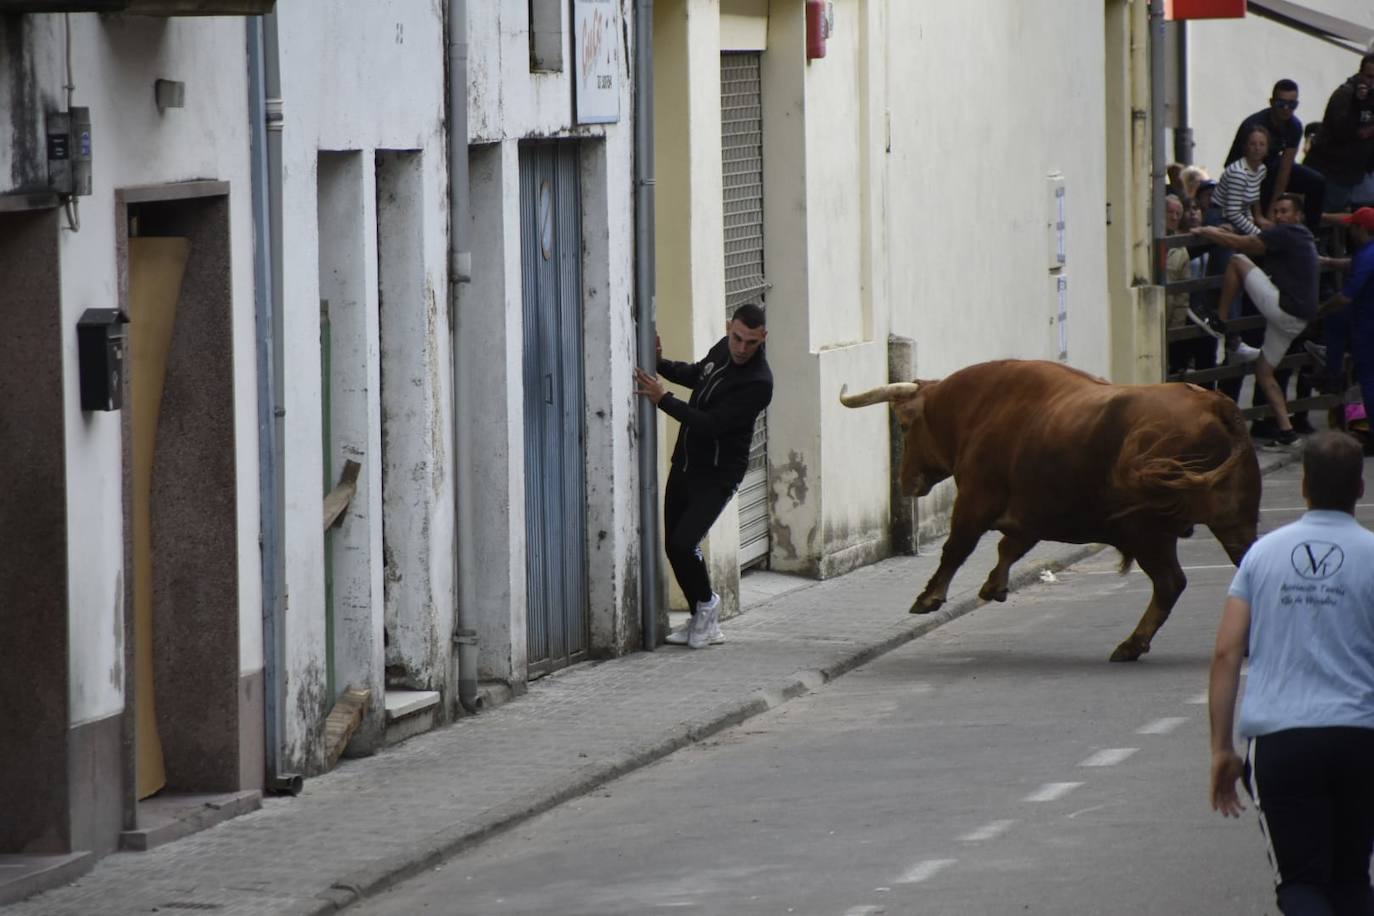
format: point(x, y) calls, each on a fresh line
point(1338, 151)
point(718, 420)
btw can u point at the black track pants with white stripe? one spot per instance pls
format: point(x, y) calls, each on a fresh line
point(1314, 788)
point(691, 504)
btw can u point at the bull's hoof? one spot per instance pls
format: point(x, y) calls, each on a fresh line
point(1128, 651)
point(926, 604)
point(989, 593)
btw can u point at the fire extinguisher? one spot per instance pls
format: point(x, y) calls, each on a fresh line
point(817, 28)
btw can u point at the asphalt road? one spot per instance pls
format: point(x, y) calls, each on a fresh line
point(999, 765)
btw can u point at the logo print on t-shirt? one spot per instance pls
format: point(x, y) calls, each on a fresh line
point(1317, 559)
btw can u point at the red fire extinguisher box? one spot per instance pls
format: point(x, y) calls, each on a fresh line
point(1204, 9)
point(817, 28)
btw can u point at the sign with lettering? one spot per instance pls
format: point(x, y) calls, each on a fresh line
point(596, 60)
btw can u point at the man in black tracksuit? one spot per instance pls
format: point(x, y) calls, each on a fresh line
point(731, 386)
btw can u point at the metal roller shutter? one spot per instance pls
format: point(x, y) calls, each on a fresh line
point(741, 114)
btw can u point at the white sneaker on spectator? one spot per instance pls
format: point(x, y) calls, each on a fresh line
point(679, 635)
point(705, 623)
point(1243, 353)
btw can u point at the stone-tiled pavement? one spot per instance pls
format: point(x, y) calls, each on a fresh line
point(377, 820)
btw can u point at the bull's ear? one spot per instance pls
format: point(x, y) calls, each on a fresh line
point(909, 410)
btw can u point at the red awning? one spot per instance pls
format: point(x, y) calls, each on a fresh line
point(1204, 9)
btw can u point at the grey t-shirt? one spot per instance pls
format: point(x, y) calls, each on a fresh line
point(1290, 260)
point(1310, 587)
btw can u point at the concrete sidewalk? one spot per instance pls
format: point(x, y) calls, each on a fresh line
point(375, 821)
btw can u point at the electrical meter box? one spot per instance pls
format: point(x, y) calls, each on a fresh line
point(100, 344)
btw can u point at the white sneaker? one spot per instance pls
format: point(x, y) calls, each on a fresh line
point(705, 624)
point(678, 636)
point(1243, 353)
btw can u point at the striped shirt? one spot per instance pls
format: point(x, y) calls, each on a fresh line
point(1236, 191)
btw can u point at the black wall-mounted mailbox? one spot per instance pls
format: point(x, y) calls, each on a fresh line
point(100, 352)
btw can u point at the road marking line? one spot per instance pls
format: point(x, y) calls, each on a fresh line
point(865, 911)
point(987, 832)
point(1052, 791)
point(1109, 756)
point(1161, 726)
point(923, 870)
point(1198, 700)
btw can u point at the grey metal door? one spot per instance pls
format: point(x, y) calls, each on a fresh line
point(555, 506)
point(741, 134)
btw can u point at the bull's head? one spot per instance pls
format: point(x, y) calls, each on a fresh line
point(922, 464)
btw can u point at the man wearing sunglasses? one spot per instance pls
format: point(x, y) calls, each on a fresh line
point(1282, 171)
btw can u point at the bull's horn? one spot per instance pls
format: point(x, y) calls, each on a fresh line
point(880, 394)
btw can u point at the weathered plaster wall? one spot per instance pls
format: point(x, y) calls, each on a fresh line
point(116, 59)
point(342, 69)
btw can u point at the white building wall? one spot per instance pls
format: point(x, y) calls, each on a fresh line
point(509, 104)
point(1234, 63)
point(115, 62)
point(983, 108)
point(361, 76)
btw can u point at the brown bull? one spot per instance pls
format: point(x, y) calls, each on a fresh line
point(1043, 452)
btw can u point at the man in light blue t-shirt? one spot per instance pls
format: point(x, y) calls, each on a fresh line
point(1302, 604)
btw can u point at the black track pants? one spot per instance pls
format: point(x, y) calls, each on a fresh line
point(691, 504)
point(1314, 788)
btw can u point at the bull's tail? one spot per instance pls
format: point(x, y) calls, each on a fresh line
point(1161, 483)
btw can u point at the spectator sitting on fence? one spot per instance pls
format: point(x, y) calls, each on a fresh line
point(1344, 148)
point(1282, 173)
point(1286, 295)
point(1200, 352)
point(1238, 192)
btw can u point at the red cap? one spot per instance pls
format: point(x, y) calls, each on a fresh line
point(1363, 217)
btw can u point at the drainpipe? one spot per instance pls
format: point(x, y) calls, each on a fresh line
point(1141, 150)
point(645, 319)
point(265, 124)
point(1183, 133)
point(1158, 178)
point(460, 271)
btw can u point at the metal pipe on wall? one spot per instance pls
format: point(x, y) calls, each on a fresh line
point(265, 124)
point(645, 319)
point(1158, 177)
point(1140, 150)
point(1183, 133)
point(460, 271)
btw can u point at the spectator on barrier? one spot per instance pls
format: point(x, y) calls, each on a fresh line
point(1173, 179)
point(1200, 352)
point(1309, 130)
point(1285, 293)
point(1344, 148)
point(1356, 299)
point(1189, 179)
point(1282, 173)
point(1205, 196)
point(1238, 192)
